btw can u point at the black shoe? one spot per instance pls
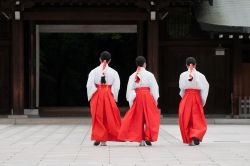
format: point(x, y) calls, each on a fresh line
point(196, 141)
point(148, 143)
point(96, 143)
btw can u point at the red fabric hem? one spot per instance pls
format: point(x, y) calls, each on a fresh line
point(106, 120)
point(192, 121)
point(142, 121)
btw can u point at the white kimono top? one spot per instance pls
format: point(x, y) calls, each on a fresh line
point(199, 82)
point(147, 79)
point(111, 76)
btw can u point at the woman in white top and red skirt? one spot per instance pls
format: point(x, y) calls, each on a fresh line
point(141, 123)
point(103, 87)
point(194, 91)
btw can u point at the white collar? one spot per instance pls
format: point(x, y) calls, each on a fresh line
point(101, 65)
point(194, 70)
point(142, 69)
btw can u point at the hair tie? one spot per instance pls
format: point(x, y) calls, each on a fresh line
point(103, 80)
point(191, 66)
point(104, 64)
point(137, 78)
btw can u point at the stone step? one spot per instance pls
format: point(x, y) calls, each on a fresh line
point(87, 120)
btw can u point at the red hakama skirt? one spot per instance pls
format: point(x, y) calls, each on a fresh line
point(143, 111)
point(191, 116)
point(106, 120)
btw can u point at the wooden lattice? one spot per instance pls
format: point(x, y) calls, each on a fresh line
point(244, 107)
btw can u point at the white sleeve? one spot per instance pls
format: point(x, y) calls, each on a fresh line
point(91, 87)
point(154, 89)
point(184, 83)
point(204, 89)
point(130, 95)
point(116, 86)
point(181, 85)
point(181, 92)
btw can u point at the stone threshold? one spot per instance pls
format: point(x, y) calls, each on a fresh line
point(23, 119)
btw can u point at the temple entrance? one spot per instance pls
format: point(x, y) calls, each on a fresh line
point(66, 56)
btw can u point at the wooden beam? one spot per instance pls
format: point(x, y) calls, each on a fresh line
point(153, 47)
point(17, 68)
point(196, 43)
point(87, 2)
point(132, 28)
point(85, 15)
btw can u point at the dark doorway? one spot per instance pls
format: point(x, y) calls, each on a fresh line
point(67, 58)
point(4, 80)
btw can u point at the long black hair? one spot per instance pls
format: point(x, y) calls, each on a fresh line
point(104, 56)
point(190, 60)
point(140, 60)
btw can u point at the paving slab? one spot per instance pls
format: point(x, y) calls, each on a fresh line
point(70, 145)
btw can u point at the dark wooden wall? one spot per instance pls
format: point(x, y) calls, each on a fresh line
point(181, 37)
point(245, 69)
point(4, 67)
point(215, 68)
point(245, 79)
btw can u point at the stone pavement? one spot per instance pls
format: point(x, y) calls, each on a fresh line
point(70, 145)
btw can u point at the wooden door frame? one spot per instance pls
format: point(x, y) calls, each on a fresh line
point(113, 16)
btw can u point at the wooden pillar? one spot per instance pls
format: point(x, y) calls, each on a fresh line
point(32, 65)
point(153, 47)
point(236, 79)
point(17, 68)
